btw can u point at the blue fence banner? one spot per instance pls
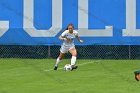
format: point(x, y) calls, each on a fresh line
point(98, 22)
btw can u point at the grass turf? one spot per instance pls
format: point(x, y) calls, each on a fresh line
point(92, 76)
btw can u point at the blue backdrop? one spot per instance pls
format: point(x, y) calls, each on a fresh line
point(100, 13)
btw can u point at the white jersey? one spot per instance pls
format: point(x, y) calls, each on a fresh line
point(70, 37)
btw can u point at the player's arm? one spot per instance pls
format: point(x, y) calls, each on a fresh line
point(62, 38)
point(78, 38)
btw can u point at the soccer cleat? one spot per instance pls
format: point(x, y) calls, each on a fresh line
point(74, 67)
point(55, 68)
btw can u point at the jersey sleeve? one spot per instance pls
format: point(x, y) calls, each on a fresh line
point(64, 33)
point(75, 33)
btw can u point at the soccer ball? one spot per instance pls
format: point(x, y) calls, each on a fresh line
point(67, 67)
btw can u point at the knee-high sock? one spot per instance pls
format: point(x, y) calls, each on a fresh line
point(57, 61)
point(73, 60)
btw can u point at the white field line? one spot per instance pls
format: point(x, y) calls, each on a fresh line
point(82, 64)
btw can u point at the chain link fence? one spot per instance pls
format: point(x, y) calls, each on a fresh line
point(84, 52)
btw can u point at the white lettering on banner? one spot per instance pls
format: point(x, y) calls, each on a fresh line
point(56, 19)
point(83, 23)
point(131, 19)
point(28, 21)
point(4, 26)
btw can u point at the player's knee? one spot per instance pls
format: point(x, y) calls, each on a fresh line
point(61, 57)
point(74, 54)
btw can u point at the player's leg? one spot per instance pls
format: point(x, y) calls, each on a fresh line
point(73, 58)
point(60, 57)
point(63, 50)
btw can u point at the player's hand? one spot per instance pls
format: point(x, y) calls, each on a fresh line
point(81, 41)
point(64, 39)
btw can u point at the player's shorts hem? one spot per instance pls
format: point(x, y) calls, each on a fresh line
point(62, 52)
point(66, 50)
point(71, 48)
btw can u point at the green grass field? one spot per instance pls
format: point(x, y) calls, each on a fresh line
point(92, 76)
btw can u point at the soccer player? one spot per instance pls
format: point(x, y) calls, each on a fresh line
point(68, 45)
point(137, 75)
